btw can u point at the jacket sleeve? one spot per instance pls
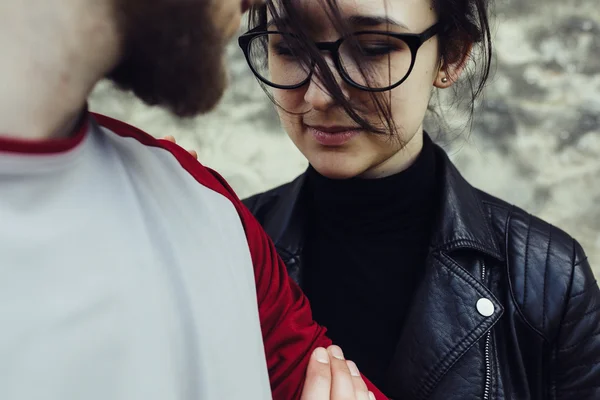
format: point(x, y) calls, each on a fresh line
point(289, 332)
point(576, 371)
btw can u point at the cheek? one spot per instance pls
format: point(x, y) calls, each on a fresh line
point(410, 100)
point(419, 84)
point(290, 100)
point(421, 79)
point(413, 94)
point(289, 106)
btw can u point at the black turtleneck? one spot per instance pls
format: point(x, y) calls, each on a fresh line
point(365, 254)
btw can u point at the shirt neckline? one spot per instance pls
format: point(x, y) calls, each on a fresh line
point(48, 146)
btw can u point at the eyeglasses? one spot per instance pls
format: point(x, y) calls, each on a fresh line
point(374, 61)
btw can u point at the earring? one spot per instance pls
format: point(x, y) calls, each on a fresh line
point(444, 80)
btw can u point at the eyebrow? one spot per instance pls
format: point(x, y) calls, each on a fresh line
point(358, 20)
point(372, 21)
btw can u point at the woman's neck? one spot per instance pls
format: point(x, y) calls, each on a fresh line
point(400, 161)
point(377, 204)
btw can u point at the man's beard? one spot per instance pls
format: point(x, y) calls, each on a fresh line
point(172, 55)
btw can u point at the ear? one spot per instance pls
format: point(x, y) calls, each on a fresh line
point(449, 72)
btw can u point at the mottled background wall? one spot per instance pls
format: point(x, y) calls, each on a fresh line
point(535, 139)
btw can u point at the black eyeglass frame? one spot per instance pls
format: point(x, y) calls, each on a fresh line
point(413, 40)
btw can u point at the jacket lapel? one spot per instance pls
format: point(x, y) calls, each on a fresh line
point(461, 222)
point(287, 226)
point(444, 321)
point(442, 325)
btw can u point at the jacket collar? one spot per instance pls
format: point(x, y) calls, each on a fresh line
point(287, 225)
point(461, 222)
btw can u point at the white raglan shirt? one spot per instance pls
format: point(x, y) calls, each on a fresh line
point(122, 277)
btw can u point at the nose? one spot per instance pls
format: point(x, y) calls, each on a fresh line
point(317, 95)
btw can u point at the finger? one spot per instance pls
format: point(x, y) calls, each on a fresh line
point(317, 385)
point(342, 385)
point(170, 138)
point(360, 387)
point(193, 153)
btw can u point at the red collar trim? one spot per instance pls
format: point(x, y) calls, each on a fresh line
point(48, 146)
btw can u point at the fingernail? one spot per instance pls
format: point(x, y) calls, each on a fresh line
point(353, 368)
point(336, 352)
point(320, 354)
point(372, 396)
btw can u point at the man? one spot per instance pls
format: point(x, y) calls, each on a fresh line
point(108, 289)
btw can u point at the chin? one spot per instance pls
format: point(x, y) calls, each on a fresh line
point(337, 169)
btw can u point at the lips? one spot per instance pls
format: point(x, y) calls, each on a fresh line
point(333, 136)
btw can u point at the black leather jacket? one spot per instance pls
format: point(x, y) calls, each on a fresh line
point(508, 308)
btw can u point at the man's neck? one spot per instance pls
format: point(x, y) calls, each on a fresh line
point(53, 53)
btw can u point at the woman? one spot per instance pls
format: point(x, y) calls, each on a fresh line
point(436, 289)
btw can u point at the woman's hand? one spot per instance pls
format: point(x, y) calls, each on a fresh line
point(172, 140)
point(330, 377)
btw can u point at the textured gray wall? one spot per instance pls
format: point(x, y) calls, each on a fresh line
point(535, 140)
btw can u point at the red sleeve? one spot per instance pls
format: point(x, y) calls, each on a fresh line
point(289, 333)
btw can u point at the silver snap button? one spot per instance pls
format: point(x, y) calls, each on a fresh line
point(485, 307)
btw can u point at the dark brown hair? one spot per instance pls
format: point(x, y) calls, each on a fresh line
point(175, 61)
point(465, 25)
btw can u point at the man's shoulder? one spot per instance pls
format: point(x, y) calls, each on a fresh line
point(165, 153)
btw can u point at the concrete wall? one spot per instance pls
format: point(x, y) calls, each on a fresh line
point(535, 139)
